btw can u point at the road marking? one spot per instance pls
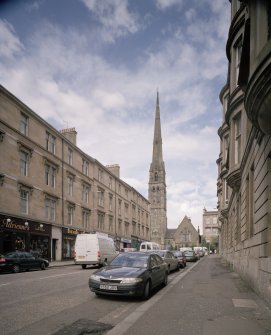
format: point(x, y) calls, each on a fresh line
point(4, 284)
point(246, 303)
point(63, 274)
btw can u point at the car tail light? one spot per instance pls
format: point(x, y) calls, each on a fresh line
point(98, 254)
point(2, 260)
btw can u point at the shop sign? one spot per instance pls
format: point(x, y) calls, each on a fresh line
point(70, 231)
point(25, 226)
point(10, 224)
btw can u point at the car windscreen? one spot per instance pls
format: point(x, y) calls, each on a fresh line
point(131, 260)
point(177, 254)
point(189, 253)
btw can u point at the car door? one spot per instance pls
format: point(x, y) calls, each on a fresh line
point(155, 270)
point(162, 268)
point(173, 260)
point(31, 261)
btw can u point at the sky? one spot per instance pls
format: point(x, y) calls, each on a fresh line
point(97, 65)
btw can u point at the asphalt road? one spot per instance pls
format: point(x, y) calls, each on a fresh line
point(201, 299)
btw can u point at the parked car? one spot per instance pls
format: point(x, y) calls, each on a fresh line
point(190, 256)
point(171, 260)
point(20, 260)
point(130, 274)
point(181, 257)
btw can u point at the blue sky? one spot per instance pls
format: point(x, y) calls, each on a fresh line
point(96, 65)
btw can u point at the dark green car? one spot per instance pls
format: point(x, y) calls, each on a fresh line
point(21, 261)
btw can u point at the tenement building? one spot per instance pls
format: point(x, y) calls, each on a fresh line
point(51, 190)
point(211, 227)
point(244, 163)
point(157, 185)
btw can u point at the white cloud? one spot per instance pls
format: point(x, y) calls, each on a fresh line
point(165, 4)
point(114, 17)
point(10, 44)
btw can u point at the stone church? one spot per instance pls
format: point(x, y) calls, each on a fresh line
point(185, 235)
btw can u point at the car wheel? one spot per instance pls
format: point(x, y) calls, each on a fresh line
point(178, 267)
point(84, 266)
point(16, 268)
point(168, 270)
point(165, 279)
point(42, 266)
point(147, 290)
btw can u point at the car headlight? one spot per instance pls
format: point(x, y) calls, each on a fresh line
point(131, 280)
point(95, 277)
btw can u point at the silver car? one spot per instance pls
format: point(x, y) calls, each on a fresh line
point(172, 261)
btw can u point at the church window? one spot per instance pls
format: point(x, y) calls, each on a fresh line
point(156, 176)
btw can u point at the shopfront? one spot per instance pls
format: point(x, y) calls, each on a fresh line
point(68, 242)
point(25, 235)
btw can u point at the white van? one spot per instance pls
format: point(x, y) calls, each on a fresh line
point(146, 246)
point(94, 249)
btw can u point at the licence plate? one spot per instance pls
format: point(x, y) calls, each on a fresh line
point(109, 287)
point(81, 257)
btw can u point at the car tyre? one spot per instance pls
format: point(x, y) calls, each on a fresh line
point(84, 266)
point(42, 266)
point(147, 290)
point(16, 268)
point(178, 267)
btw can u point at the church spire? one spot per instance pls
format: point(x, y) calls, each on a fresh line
point(157, 185)
point(157, 155)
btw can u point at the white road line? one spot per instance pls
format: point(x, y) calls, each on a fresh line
point(5, 284)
